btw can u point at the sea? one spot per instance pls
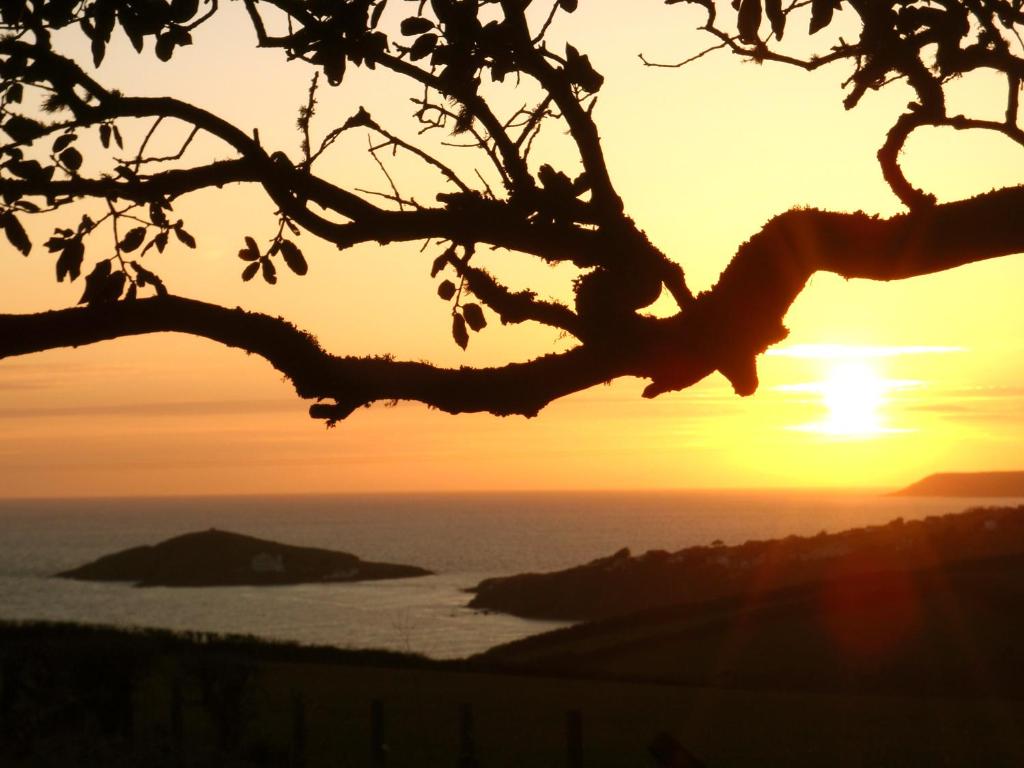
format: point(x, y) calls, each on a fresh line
point(462, 538)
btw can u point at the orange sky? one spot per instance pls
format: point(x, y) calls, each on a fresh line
point(702, 156)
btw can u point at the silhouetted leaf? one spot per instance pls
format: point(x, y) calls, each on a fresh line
point(250, 271)
point(99, 50)
point(71, 158)
point(112, 288)
point(580, 72)
point(334, 68)
point(184, 236)
point(145, 277)
point(16, 233)
point(251, 248)
point(133, 239)
point(269, 271)
point(459, 332)
point(821, 14)
point(14, 93)
point(293, 257)
point(378, 9)
point(474, 316)
point(423, 46)
point(160, 241)
point(439, 263)
point(133, 291)
point(63, 141)
point(117, 138)
point(416, 25)
point(749, 21)
point(69, 264)
point(157, 215)
point(568, 5)
point(773, 10)
point(22, 129)
point(165, 46)
point(94, 282)
point(183, 10)
point(446, 290)
point(26, 169)
point(105, 135)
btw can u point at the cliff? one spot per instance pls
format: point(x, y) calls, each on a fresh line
point(220, 558)
point(968, 484)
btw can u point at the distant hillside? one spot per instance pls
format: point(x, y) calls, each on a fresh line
point(968, 484)
point(623, 583)
point(221, 558)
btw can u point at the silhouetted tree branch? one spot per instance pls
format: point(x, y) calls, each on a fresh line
point(569, 212)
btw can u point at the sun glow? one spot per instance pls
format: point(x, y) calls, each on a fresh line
point(854, 395)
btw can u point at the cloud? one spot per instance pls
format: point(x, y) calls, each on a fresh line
point(848, 351)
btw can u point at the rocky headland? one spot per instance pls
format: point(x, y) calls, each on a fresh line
point(625, 583)
point(968, 484)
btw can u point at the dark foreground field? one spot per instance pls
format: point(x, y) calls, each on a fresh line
point(75, 696)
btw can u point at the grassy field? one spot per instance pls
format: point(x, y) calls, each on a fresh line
point(75, 696)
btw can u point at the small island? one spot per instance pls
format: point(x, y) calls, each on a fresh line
point(968, 484)
point(216, 558)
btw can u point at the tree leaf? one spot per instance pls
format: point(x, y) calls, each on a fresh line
point(293, 257)
point(22, 129)
point(250, 270)
point(446, 290)
point(157, 215)
point(568, 5)
point(105, 135)
point(378, 9)
point(269, 271)
point(69, 264)
point(416, 25)
point(16, 233)
point(71, 158)
point(749, 21)
point(94, 282)
point(773, 10)
point(133, 239)
point(252, 248)
point(423, 46)
point(459, 332)
point(474, 316)
point(184, 236)
point(165, 46)
point(821, 14)
point(183, 10)
point(580, 71)
point(63, 141)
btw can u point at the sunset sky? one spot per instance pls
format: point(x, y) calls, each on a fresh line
point(877, 385)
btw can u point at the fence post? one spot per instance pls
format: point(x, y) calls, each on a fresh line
point(378, 750)
point(467, 742)
point(574, 738)
point(298, 731)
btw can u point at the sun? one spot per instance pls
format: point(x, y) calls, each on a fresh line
point(854, 394)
